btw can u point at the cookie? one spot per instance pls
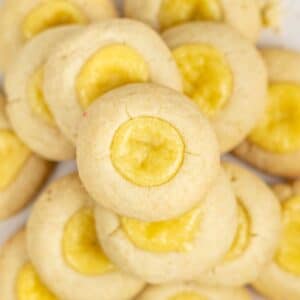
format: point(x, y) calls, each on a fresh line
point(281, 279)
point(257, 235)
point(243, 15)
point(26, 108)
point(22, 20)
point(274, 145)
point(21, 171)
point(146, 152)
point(271, 13)
point(106, 55)
point(61, 228)
point(223, 74)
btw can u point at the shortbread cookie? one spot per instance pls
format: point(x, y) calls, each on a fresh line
point(27, 110)
point(22, 20)
point(63, 247)
point(146, 152)
point(223, 74)
point(257, 235)
point(106, 55)
point(274, 145)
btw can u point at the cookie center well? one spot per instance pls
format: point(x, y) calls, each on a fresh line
point(13, 156)
point(30, 287)
point(51, 13)
point(175, 12)
point(147, 151)
point(288, 255)
point(110, 67)
point(81, 249)
point(188, 296)
point(165, 236)
point(279, 130)
point(207, 76)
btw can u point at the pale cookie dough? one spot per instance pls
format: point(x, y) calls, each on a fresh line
point(146, 152)
point(21, 20)
point(190, 291)
point(281, 279)
point(274, 146)
point(243, 15)
point(258, 231)
point(26, 108)
point(106, 55)
point(63, 247)
point(179, 249)
point(21, 172)
point(18, 278)
point(224, 74)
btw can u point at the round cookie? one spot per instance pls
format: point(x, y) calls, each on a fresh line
point(61, 228)
point(179, 249)
point(281, 279)
point(146, 152)
point(190, 291)
point(21, 172)
point(243, 15)
point(22, 20)
point(274, 145)
point(18, 278)
point(258, 232)
point(223, 74)
point(26, 108)
point(106, 55)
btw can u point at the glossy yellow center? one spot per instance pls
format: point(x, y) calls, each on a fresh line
point(242, 237)
point(288, 255)
point(147, 151)
point(29, 286)
point(175, 12)
point(187, 296)
point(279, 130)
point(13, 155)
point(36, 97)
point(81, 248)
point(110, 67)
point(165, 236)
point(207, 76)
point(51, 13)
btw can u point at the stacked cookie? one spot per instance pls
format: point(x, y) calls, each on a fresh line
point(153, 212)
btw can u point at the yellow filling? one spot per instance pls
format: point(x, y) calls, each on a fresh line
point(175, 12)
point(147, 151)
point(288, 255)
point(207, 77)
point(13, 155)
point(81, 249)
point(188, 296)
point(242, 237)
point(279, 130)
point(51, 13)
point(165, 236)
point(29, 286)
point(111, 67)
point(36, 97)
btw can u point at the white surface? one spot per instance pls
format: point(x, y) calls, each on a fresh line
point(289, 37)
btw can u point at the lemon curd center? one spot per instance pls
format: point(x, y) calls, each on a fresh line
point(207, 76)
point(165, 236)
point(279, 130)
point(29, 286)
point(81, 249)
point(36, 97)
point(147, 151)
point(288, 255)
point(110, 67)
point(51, 13)
point(175, 12)
point(13, 156)
point(242, 237)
